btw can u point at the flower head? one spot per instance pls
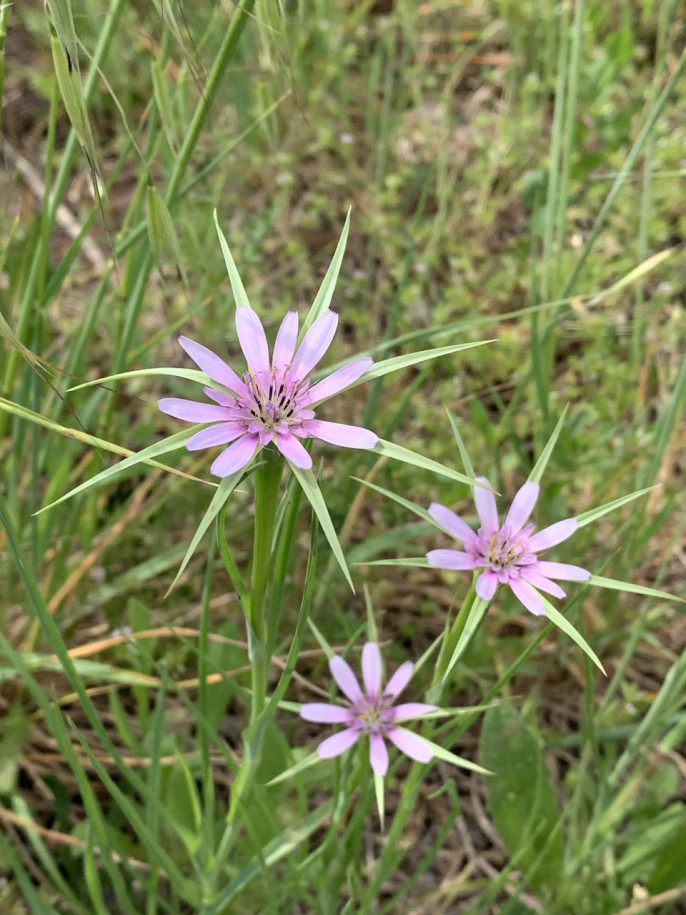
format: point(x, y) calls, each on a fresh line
point(507, 553)
point(370, 711)
point(271, 401)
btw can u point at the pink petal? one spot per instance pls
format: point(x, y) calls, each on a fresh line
point(284, 347)
point(219, 434)
point(324, 713)
point(211, 364)
point(371, 669)
point(253, 340)
point(451, 523)
point(522, 506)
point(413, 709)
point(486, 584)
point(340, 434)
point(451, 559)
point(411, 745)
point(563, 571)
point(485, 506)
point(530, 598)
point(293, 451)
point(339, 380)
point(399, 680)
point(315, 344)
point(539, 581)
point(226, 400)
point(235, 457)
point(191, 410)
point(378, 754)
point(552, 535)
point(337, 743)
point(346, 679)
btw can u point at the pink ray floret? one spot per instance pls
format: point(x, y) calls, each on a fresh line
point(271, 401)
point(370, 711)
point(507, 553)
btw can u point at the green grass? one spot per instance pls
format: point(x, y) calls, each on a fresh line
point(509, 166)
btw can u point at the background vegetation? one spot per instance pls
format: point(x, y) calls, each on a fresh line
point(509, 165)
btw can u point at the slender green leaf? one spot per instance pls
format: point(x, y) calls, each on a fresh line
point(461, 445)
point(637, 273)
point(410, 506)
point(306, 763)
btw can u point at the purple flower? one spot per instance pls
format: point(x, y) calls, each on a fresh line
point(508, 554)
point(370, 712)
point(271, 402)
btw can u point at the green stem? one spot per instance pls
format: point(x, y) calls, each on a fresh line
point(453, 637)
point(267, 482)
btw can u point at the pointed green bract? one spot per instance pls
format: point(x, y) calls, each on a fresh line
point(613, 585)
point(476, 614)
point(224, 490)
point(398, 453)
point(422, 512)
point(379, 793)
point(174, 372)
point(441, 753)
point(323, 298)
point(313, 493)
point(460, 444)
point(395, 363)
point(594, 513)
point(542, 462)
point(563, 623)
point(310, 760)
point(173, 443)
point(237, 287)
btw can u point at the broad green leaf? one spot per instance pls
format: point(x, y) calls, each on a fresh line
point(441, 753)
point(398, 453)
point(313, 493)
point(614, 585)
point(173, 372)
point(379, 369)
point(541, 464)
point(520, 798)
point(594, 513)
point(173, 443)
point(239, 293)
point(224, 490)
point(325, 293)
point(563, 623)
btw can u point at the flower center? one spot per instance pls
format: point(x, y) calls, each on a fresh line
point(503, 551)
point(372, 716)
point(274, 401)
